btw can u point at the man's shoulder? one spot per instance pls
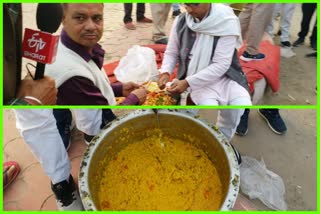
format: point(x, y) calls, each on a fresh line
point(66, 59)
point(67, 65)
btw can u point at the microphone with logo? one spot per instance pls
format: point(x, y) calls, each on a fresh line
point(41, 46)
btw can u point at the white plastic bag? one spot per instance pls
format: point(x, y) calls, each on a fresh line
point(139, 65)
point(259, 182)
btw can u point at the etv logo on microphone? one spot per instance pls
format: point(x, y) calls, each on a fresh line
point(37, 43)
point(39, 46)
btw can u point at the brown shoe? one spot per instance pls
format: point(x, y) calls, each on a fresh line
point(145, 20)
point(130, 26)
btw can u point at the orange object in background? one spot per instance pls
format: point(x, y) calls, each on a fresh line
point(268, 68)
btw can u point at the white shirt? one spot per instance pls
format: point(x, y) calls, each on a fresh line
point(210, 82)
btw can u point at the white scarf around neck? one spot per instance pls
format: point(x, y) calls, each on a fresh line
point(220, 22)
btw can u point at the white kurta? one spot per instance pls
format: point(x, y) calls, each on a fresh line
point(210, 83)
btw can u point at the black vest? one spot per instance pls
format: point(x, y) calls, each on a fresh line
point(186, 40)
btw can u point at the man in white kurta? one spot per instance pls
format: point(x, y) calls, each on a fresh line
point(205, 79)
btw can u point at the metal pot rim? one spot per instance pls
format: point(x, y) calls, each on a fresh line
point(234, 181)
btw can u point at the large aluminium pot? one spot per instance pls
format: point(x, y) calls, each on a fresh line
point(173, 123)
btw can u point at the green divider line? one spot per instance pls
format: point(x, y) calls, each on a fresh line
point(166, 107)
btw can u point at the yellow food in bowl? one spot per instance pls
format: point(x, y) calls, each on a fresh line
point(160, 174)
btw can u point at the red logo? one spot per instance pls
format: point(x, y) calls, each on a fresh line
point(36, 42)
point(39, 46)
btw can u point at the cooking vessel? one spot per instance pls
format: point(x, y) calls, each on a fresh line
point(173, 123)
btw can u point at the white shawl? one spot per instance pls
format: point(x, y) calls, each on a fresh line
point(220, 22)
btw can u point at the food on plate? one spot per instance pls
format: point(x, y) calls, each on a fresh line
point(157, 96)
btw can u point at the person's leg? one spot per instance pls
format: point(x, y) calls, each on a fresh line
point(127, 19)
point(140, 14)
point(286, 15)
point(63, 120)
point(307, 12)
point(242, 128)
point(244, 18)
point(159, 15)
point(260, 18)
point(276, 11)
point(313, 38)
point(127, 12)
point(209, 102)
point(140, 11)
point(228, 120)
point(243, 100)
point(39, 130)
point(90, 121)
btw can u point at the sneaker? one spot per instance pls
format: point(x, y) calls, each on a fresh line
point(176, 13)
point(314, 54)
point(274, 120)
point(130, 26)
point(238, 156)
point(298, 42)
point(162, 41)
point(249, 57)
point(145, 20)
point(286, 44)
point(67, 196)
point(242, 129)
point(313, 45)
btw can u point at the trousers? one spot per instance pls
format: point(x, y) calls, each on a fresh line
point(38, 127)
point(159, 14)
point(254, 20)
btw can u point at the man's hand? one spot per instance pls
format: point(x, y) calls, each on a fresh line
point(163, 79)
point(43, 89)
point(141, 94)
point(128, 87)
point(178, 86)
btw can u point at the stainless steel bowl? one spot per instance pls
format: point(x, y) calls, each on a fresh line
point(174, 124)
